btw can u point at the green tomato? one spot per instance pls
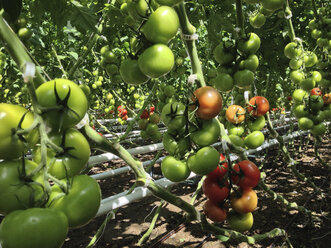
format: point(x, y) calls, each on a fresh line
point(168, 2)
point(319, 129)
point(169, 90)
point(174, 170)
point(156, 61)
point(234, 129)
point(24, 34)
point(272, 5)
point(297, 76)
point(299, 95)
point(173, 115)
point(81, 203)
point(16, 192)
point(222, 55)
point(291, 50)
point(316, 103)
point(76, 153)
point(299, 110)
point(257, 124)
point(308, 84)
point(254, 139)
point(251, 63)
point(162, 25)
point(63, 94)
point(131, 73)
point(295, 63)
point(236, 140)
point(176, 147)
point(310, 59)
point(258, 20)
point(243, 78)
point(317, 76)
point(151, 128)
point(207, 134)
point(223, 82)
point(305, 123)
point(12, 145)
point(111, 69)
point(250, 45)
point(240, 222)
point(32, 228)
point(204, 161)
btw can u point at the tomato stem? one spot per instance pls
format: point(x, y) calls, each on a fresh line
point(17, 50)
point(188, 29)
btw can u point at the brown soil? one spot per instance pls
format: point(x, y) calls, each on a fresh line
point(133, 220)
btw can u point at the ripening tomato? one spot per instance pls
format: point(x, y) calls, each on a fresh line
point(214, 212)
point(245, 203)
point(235, 114)
point(246, 174)
point(316, 91)
point(209, 102)
point(327, 98)
point(259, 106)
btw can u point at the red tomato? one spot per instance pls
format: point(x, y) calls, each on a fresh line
point(119, 108)
point(316, 91)
point(215, 190)
point(145, 114)
point(152, 109)
point(125, 117)
point(209, 102)
point(214, 212)
point(124, 112)
point(259, 105)
point(247, 176)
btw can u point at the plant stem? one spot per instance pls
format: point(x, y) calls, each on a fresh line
point(289, 23)
point(188, 29)
point(17, 50)
point(240, 18)
point(152, 225)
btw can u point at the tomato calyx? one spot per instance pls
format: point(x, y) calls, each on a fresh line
point(173, 112)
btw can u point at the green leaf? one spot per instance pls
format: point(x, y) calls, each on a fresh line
point(73, 54)
point(223, 238)
point(82, 18)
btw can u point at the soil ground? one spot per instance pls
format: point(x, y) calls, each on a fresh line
point(132, 221)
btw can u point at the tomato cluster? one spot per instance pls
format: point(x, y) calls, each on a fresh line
point(245, 175)
point(148, 124)
point(45, 196)
point(244, 125)
point(155, 58)
point(198, 132)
